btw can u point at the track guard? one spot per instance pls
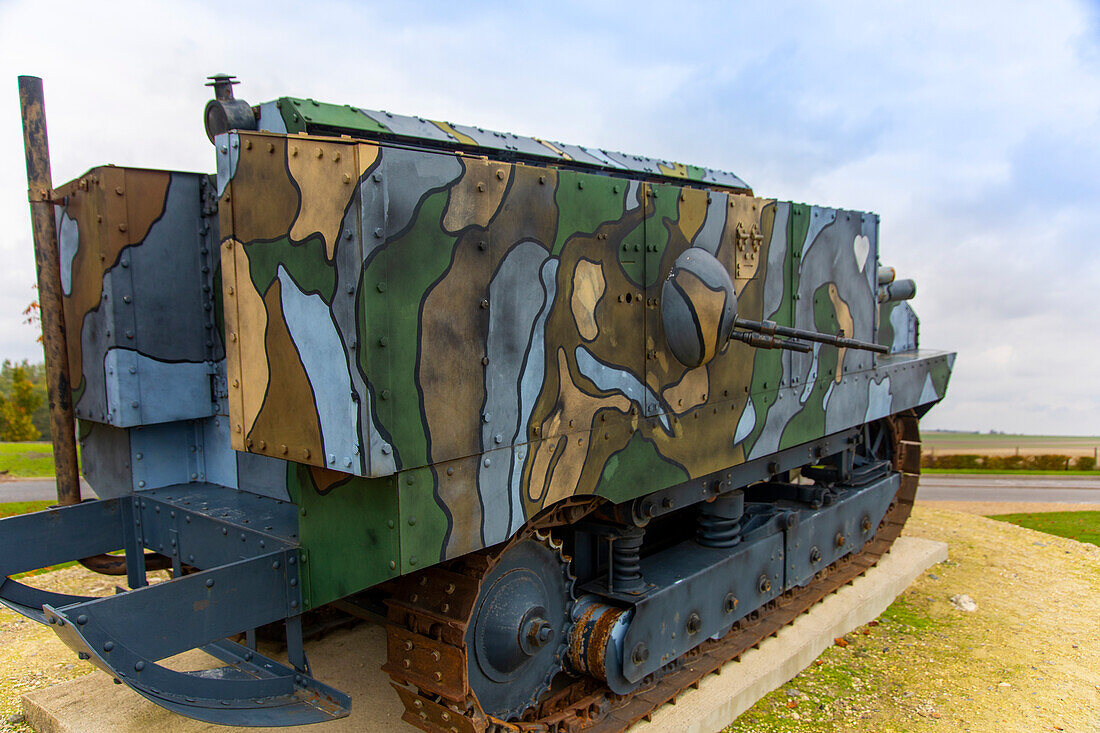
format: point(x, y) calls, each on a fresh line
point(241, 579)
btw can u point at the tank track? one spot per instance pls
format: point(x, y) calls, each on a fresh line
point(430, 610)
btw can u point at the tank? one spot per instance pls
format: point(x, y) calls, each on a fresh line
point(576, 424)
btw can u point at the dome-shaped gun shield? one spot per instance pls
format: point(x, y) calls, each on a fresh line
point(698, 307)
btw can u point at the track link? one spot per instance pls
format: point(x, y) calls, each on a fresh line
point(430, 610)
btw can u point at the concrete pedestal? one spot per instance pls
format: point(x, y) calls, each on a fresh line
point(349, 660)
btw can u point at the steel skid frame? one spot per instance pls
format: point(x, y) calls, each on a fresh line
point(236, 566)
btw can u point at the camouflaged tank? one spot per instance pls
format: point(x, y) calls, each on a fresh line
point(561, 415)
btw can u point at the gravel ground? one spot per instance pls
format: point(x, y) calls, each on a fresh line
point(31, 655)
point(1027, 660)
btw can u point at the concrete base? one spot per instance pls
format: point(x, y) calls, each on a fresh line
point(349, 660)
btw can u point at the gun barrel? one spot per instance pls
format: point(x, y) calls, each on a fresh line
point(773, 329)
point(761, 341)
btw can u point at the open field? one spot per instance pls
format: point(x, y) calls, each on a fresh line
point(26, 460)
point(937, 442)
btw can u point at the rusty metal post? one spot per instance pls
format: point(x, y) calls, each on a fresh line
point(47, 263)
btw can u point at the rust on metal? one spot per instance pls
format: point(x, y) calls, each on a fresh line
point(577, 707)
point(431, 665)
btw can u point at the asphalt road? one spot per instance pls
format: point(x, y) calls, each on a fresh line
point(933, 487)
point(36, 489)
point(971, 487)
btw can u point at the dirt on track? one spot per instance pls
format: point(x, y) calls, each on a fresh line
point(1027, 660)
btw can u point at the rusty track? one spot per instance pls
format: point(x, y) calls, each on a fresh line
point(429, 613)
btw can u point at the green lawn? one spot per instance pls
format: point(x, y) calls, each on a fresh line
point(1080, 526)
point(12, 508)
point(27, 460)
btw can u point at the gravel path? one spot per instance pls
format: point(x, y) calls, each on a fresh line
point(1028, 659)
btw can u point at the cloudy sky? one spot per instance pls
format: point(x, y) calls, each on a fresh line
point(974, 132)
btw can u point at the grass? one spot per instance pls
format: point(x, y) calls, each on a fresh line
point(1080, 526)
point(27, 460)
point(13, 508)
point(1009, 471)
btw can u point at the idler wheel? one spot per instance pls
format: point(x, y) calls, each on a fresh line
point(518, 631)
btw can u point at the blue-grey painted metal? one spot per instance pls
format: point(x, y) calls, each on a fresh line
point(244, 550)
point(688, 584)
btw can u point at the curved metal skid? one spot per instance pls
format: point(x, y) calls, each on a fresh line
point(251, 578)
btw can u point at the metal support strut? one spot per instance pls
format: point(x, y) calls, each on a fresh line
point(243, 578)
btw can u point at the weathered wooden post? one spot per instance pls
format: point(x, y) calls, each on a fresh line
point(47, 265)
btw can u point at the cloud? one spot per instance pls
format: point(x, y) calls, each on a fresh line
point(973, 131)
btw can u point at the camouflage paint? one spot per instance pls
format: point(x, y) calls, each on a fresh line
point(422, 348)
point(458, 342)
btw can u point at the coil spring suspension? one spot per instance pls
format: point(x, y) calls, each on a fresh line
point(625, 568)
point(719, 522)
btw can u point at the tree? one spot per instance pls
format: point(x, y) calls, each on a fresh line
point(18, 404)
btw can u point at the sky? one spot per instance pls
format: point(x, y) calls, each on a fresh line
point(972, 129)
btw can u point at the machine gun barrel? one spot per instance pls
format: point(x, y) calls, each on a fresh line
point(773, 329)
point(760, 341)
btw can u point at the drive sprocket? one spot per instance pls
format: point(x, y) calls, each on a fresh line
point(518, 633)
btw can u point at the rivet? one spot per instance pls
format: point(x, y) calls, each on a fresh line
point(481, 187)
